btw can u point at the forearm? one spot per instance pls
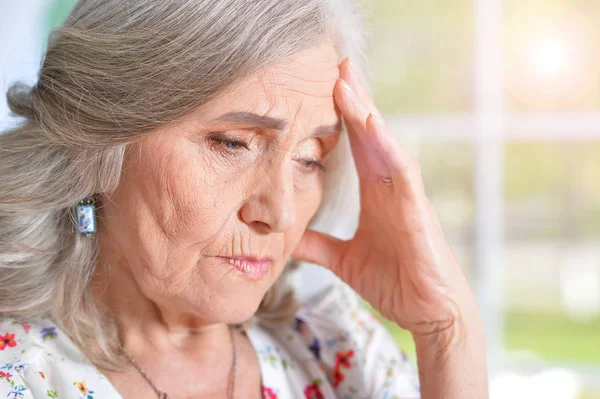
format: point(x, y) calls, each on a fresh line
point(452, 362)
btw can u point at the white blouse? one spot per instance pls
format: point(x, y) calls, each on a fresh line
point(335, 348)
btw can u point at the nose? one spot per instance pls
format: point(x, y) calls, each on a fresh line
point(271, 207)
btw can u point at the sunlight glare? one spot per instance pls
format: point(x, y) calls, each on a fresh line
point(550, 56)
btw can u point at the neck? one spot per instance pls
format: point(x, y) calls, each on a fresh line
point(146, 323)
point(171, 343)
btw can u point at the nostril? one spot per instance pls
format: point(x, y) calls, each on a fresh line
point(261, 227)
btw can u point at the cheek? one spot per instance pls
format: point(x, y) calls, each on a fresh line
point(191, 199)
point(308, 203)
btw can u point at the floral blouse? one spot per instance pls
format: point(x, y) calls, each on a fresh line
point(334, 348)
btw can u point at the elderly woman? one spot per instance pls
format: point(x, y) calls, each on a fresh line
point(172, 163)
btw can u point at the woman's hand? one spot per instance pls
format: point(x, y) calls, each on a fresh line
point(399, 260)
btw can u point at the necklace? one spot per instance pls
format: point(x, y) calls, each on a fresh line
point(164, 395)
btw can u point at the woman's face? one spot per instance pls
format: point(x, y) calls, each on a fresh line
point(238, 178)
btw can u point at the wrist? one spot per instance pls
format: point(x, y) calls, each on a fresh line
point(462, 319)
point(458, 330)
point(445, 338)
point(452, 360)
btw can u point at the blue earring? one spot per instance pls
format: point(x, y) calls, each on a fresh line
point(86, 216)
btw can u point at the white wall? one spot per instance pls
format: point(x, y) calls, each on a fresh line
point(21, 25)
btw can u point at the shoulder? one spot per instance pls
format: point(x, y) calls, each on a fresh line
point(354, 346)
point(23, 341)
point(35, 356)
point(21, 345)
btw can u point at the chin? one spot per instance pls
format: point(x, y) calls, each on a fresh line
point(245, 300)
point(237, 297)
point(239, 309)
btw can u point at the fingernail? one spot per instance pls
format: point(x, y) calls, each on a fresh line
point(352, 66)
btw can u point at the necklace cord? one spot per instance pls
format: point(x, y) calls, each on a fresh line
point(164, 395)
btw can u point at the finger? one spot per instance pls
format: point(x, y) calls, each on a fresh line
point(363, 98)
point(358, 150)
point(397, 159)
point(403, 168)
point(360, 158)
point(319, 248)
point(371, 162)
point(350, 74)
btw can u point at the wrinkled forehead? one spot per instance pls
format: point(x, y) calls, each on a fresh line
point(303, 82)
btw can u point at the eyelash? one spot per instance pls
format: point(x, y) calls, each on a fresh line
point(222, 144)
point(313, 162)
point(237, 143)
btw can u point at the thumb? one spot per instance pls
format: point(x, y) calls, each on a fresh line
point(319, 248)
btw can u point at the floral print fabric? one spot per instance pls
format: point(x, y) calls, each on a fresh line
point(334, 348)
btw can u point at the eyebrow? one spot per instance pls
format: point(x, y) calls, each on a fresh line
point(267, 122)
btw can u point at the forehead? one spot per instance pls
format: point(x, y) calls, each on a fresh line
point(301, 83)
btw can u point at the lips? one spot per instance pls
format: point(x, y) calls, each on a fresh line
point(249, 267)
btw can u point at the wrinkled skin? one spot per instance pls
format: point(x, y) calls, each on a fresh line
point(200, 188)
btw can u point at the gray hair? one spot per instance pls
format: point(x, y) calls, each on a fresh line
point(114, 72)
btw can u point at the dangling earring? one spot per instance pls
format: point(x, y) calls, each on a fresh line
point(86, 216)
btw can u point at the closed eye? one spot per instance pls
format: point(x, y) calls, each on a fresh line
point(312, 164)
point(231, 145)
